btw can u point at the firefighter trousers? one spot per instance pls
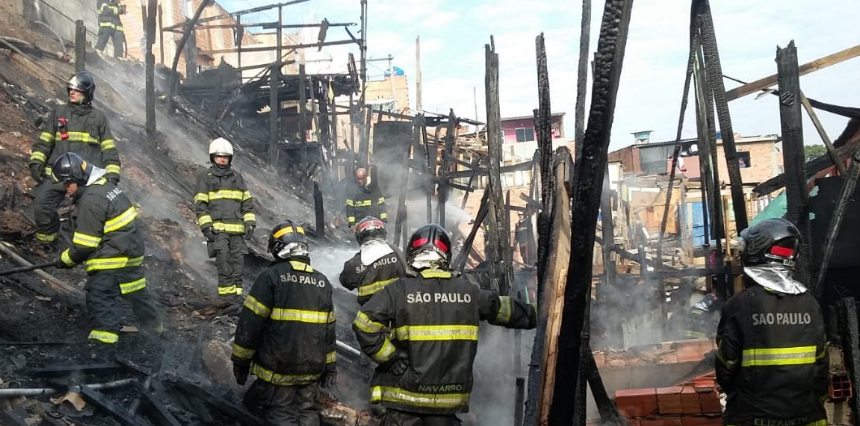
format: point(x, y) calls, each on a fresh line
point(118, 40)
point(403, 418)
point(284, 405)
point(47, 198)
point(230, 251)
point(103, 287)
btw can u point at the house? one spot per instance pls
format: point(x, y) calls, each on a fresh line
point(522, 129)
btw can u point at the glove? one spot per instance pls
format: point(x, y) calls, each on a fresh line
point(249, 232)
point(399, 364)
point(37, 172)
point(328, 379)
point(241, 371)
point(114, 179)
point(62, 265)
point(209, 234)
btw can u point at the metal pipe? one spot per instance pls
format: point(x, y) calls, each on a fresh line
point(62, 45)
point(348, 348)
point(11, 393)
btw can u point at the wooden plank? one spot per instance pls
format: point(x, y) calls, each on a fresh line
point(80, 46)
point(520, 167)
point(831, 150)
point(820, 63)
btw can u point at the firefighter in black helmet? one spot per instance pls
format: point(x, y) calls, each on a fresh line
point(771, 359)
point(110, 26)
point(425, 372)
point(286, 334)
point(363, 199)
point(108, 241)
point(75, 127)
point(376, 264)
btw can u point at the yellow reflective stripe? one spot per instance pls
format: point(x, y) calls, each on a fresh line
point(350, 203)
point(249, 217)
point(428, 400)
point(48, 170)
point(350, 219)
point(235, 228)
point(233, 289)
point(267, 375)
point(256, 307)
point(246, 195)
point(383, 215)
point(133, 286)
point(85, 240)
point(242, 352)
point(112, 169)
point(374, 287)
point(367, 325)
point(121, 221)
point(384, 353)
point(299, 315)
point(103, 336)
point(109, 25)
point(113, 263)
point(204, 220)
point(288, 230)
point(381, 200)
point(46, 137)
point(301, 266)
point(201, 197)
point(66, 258)
point(331, 357)
point(761, 357)
point(435, 273)
point(79, 137)
point(363, 203)
point(225, 194)
point(108, 144)
point(38, 156)
point(437, 332)
point(46, 238)
point(504, 314)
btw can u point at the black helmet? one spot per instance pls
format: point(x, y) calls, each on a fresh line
point(709, 303)
point(369, 228)
point(288, 241)
point(70, 167)
point(83, 82)
point(429, 247)
point(771, 241)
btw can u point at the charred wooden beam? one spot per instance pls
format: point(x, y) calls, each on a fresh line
point(824, 138)
point(589, 182)
point(850, 333)
point(99, 400)
point(224, 406)
point(63, 370)
point(797, 196)
point(80, 46)
point(319, 211)
point(450, 138)
point(609, 414)
point(150, 67)
point(271, 48)
point(460, 261)
point(469, 187)
point(189, 31)
point(521, 167)
point(158, 409)
point(303, 105)
point(239, 12)
point(429, 170)
point(582, 77)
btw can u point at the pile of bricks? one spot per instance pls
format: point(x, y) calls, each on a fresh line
point(693, 403)
point(662, 353)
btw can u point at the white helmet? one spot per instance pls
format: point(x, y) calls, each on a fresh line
point(220, 146)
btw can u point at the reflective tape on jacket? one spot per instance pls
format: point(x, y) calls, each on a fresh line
point(204, 220)
point(384, 353)
point(121, 220)
point(505, 308)
point(416, 399)
point(249, 217)
point(113, 263)
point(362, 203)
point(38, 156)
point(66, 258)
point(46, 137)
point(225, 194)
point(230, 289)
point(243, 352)
point(301, 266)
point(763, 357)
point(269, 376)
point(331, 357)
point(109, 25)
point(257, 308)
point(201, 197)
point(374, 287)
point(108, 144)
point(103, 336)
point(46, 238)
point(112, 169)
point(81, 239)
point(78, 137)
point(126, 288)
point(436, 332)
point(230, 228)
point(367, 325)
point(298, 315)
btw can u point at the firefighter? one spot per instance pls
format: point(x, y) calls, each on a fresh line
point(700, 321)
point(771, 361)
point(110, 26)
point(376, 264)
point(521, 237)
point(225, 213)
point(76, 127)
point(364, 200)
point(286, 334)
point(108, 241)
point(425, 371)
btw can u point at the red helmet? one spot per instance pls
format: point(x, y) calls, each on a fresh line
point(369, 228)
point(429, 247)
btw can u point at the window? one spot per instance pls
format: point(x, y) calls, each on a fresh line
point(525, 134)
point(744, 159)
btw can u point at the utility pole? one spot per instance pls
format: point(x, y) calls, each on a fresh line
point(419, 107)
point(274, 99)
point(363, 70)
point(391, 78)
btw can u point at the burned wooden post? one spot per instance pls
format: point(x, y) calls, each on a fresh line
point(850, 332)
point(609, 271)
point(274, 114)
point(797, 197)
point(189, 31)
point(586, 203)
point(430, 169)
point(582, 77)
point(499, 248)
point(444, 187)
point(150, 68)
point(319, 211)
point(824, 138)
point(364, 148)
point(474, 166)
point(80, 46)
point(460, 261)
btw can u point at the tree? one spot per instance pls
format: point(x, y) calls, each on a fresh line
point(812, 152)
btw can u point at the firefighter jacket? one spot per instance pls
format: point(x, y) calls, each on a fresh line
point(109, 11)
point(222, 201)
point(699, 324)
point(365, 201)
point(433, 320)
point(81, 129)
point(771, 359)
point(287, 327)
point(372, 278)
point(106, 235)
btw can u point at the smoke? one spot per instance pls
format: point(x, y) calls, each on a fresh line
point(494, 392)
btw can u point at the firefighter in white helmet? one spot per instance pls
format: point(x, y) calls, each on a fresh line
point(225, 213)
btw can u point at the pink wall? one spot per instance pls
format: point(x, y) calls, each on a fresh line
point(509, 128)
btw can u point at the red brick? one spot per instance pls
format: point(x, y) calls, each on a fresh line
point(690, 401)
point(669, 400)
point(632, 422)
point(636, 402)
point(661, 421)
point(701, 421)
point(710, 402)
point(703, 384)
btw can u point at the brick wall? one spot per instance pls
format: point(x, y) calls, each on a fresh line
point(765, 162)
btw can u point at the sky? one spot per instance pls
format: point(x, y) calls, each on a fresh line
point(453, 34)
